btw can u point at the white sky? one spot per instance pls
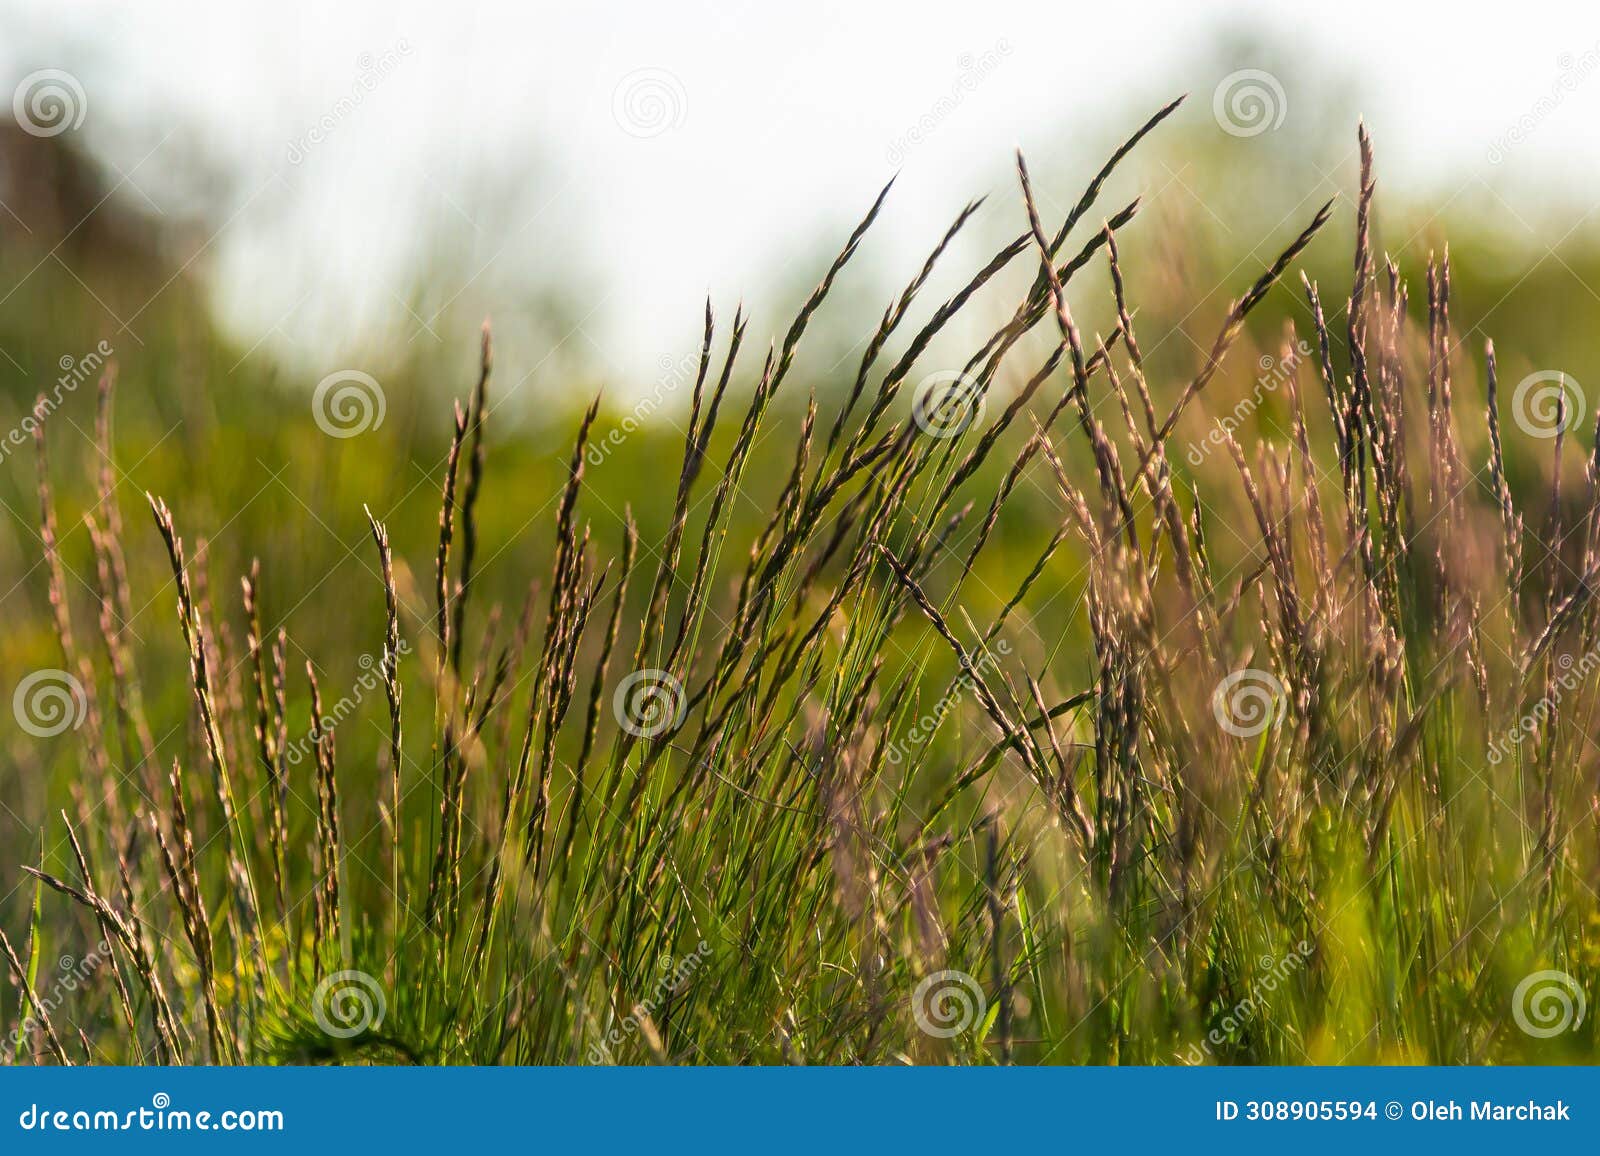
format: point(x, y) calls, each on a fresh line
point(782, 126)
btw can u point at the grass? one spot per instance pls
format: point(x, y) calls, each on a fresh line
point(1186, 763)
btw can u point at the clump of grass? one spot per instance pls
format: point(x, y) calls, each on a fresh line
point(1274, 826)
